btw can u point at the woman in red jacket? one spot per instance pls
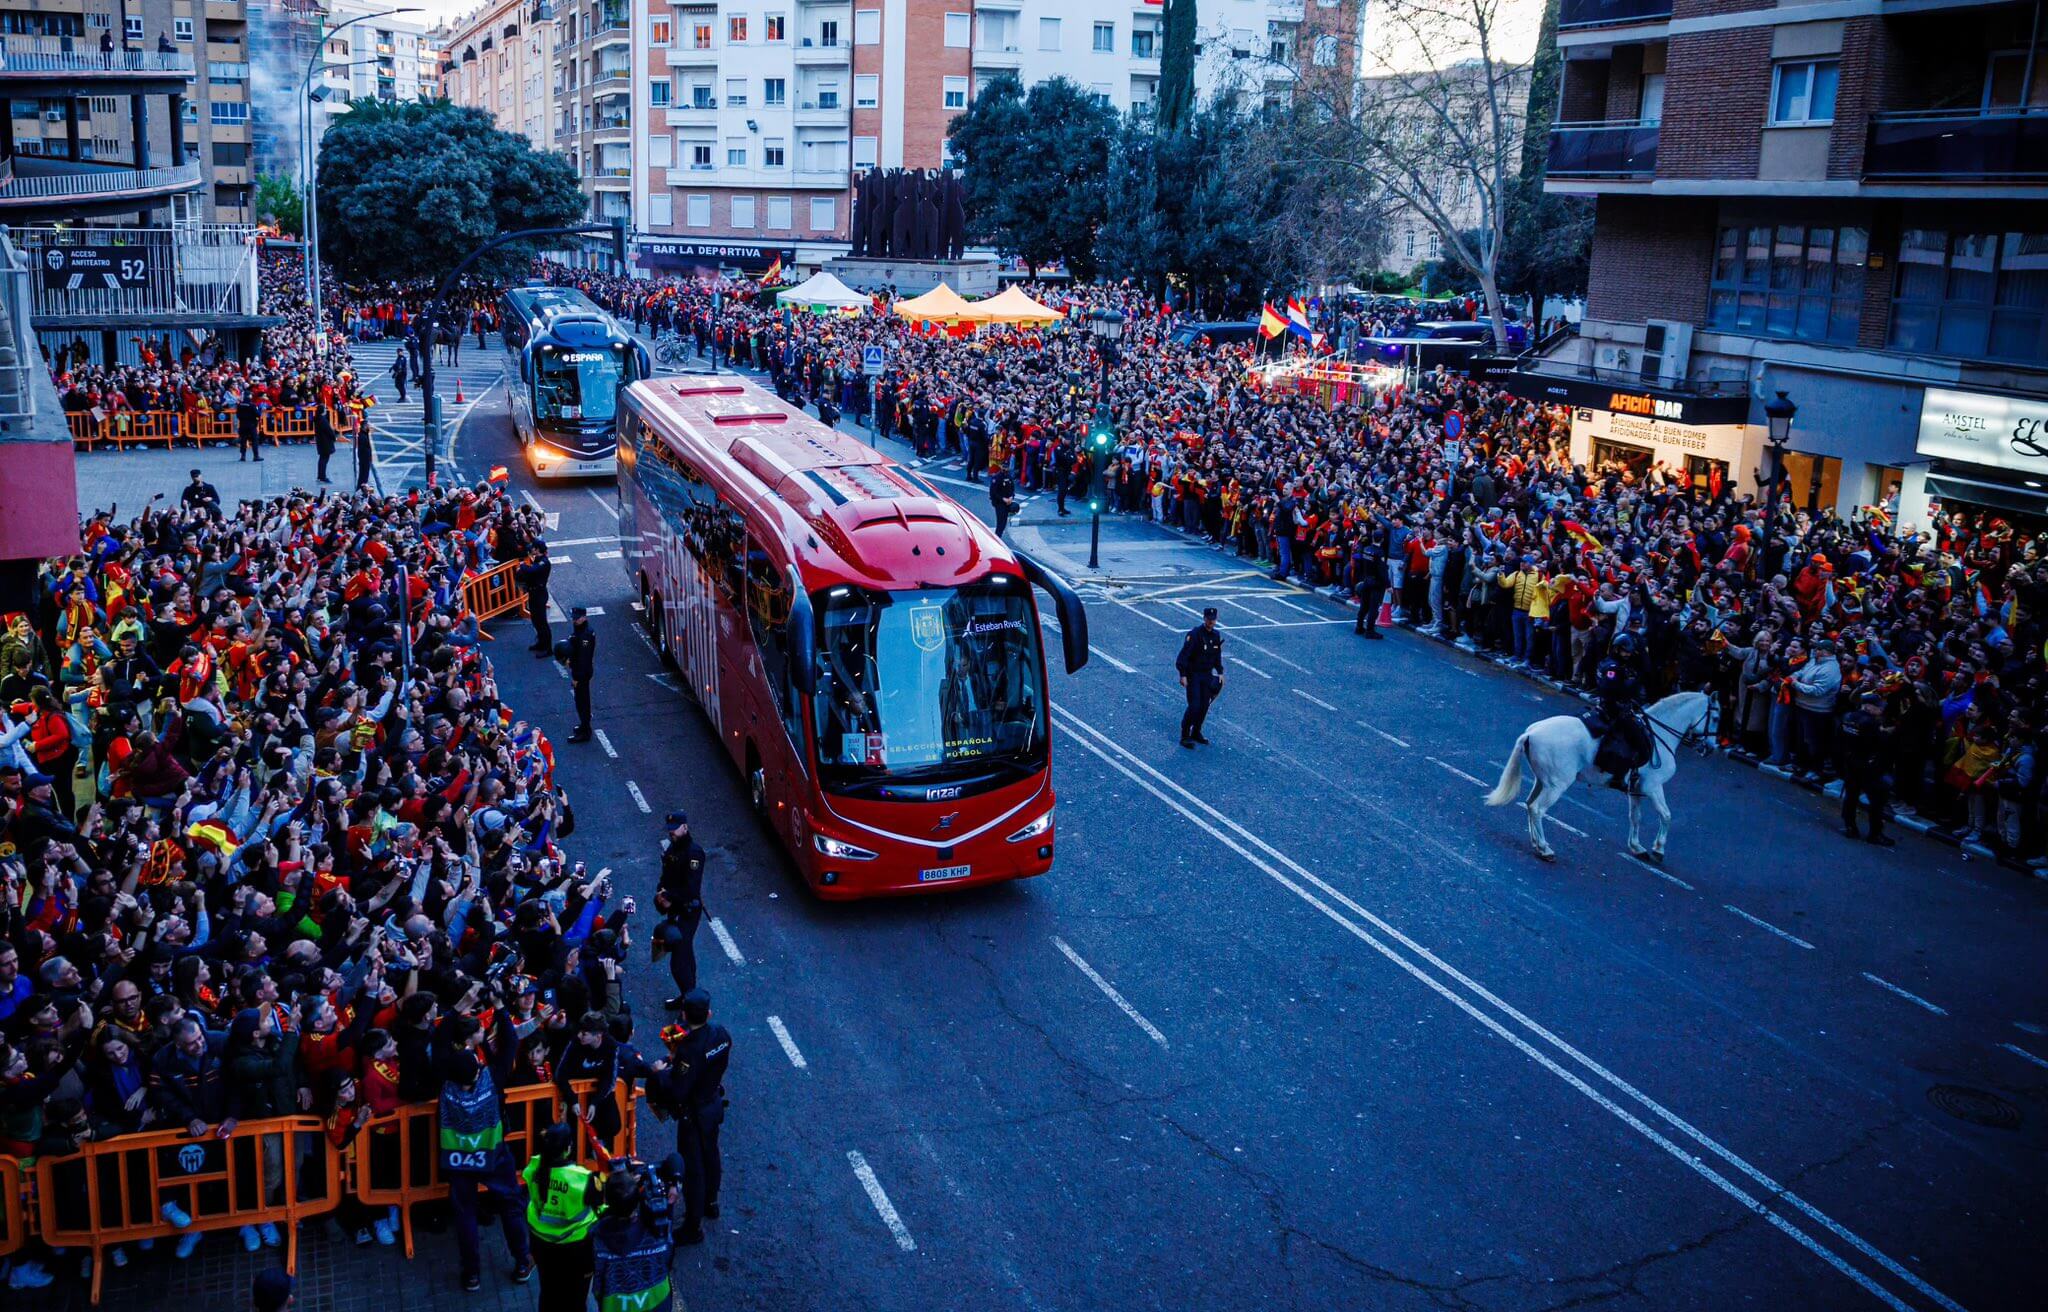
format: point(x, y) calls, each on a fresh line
point(50, 743)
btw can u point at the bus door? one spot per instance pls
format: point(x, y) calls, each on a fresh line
point(775, 711)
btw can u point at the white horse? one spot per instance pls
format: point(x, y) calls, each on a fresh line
point(1561, 749)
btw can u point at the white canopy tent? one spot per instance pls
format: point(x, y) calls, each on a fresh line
point(822, 291)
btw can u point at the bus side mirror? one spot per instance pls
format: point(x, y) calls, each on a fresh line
point(1067, 605)
point(802, 637)
point(526, 365)
point(644, 363)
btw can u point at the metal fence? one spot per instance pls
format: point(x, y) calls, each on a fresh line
point(18, 356)
point(86, 182)
point(65, 54)
point(191, 269)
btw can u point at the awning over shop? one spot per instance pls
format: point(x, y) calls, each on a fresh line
point(1948, 486)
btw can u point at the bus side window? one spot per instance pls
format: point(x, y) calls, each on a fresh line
point(767, 611)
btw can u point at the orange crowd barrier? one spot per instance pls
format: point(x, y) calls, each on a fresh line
point(122, 427)
point(279, 1171)
point(397, 1165)
point(494, 592)
point(13, 1207)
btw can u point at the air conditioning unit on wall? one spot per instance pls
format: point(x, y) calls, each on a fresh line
point(1667, 351)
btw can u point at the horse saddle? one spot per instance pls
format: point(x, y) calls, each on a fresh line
point(1624, 740)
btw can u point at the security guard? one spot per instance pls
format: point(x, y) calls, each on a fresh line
point(472, 1139)
point(680, 899)
point(1201, 672)
point(562, 1204)
point(692, 1089)
point(579, 651)
point(634, 1244)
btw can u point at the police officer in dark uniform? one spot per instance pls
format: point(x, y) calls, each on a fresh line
point(532, 577)
point(692, 1089)
point(1618, 683)
point(1002, 495)
point(246, 435)
point(1201, 672)
point(323, 439)
point(579, 652)
point(1863, 752)
point(680, 899)
point(1371, 590)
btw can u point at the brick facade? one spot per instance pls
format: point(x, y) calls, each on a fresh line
point(1717, 90)
point(1651, 259)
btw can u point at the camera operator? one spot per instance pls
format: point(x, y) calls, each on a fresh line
point(634, 1243)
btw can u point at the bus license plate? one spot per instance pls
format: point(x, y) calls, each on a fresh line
point(938, 873)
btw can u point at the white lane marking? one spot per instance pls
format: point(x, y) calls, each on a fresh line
point(1271, 655)
point(1109, 991)
point(1769, 927)
point(1097, 651)
point(1661, 874)
point(1446, 765)
point(605, 742)
point(667, 681)
point(1317, 701)
point(610, 555)
point(1253, 668)
point(724, 937)
point(583, 542)
point(2017, 1051)
point(532, 500)
point(1326, 894)
point(1398, 742)
point(606, 506)
point(789, 1047)
point(1282, 601)
point(883, 1207)
point(561, 560)
point(1913, 998)
point(1565, 825)
point(1266, 620)
point(639, 798)
point(593, 610)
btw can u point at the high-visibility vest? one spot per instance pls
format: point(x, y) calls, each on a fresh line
point(557, 1202)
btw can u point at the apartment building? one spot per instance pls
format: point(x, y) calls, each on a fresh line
point(380, 54)
point(1833, 202)
point(500, 59)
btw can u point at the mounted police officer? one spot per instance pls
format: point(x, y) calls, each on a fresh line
point(562, 1205)
point(1201, 672)
point(472, 1143)
point(1618, 682)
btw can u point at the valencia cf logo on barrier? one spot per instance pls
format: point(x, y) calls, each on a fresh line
point(191, 1157)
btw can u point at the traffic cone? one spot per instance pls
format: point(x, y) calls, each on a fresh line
point(1386, 616)
point(458, 391)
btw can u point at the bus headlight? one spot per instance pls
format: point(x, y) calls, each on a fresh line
point(1032, 830)
point(832, 847)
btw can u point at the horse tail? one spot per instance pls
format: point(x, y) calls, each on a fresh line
point(1510, 775)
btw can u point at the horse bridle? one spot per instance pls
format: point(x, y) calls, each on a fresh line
point(1697, 736)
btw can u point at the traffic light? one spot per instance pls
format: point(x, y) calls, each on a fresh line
point(1101, 433)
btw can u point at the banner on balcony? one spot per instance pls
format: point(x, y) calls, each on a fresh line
point(95, 268)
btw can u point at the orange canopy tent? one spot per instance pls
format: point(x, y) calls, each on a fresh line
point(1012, 305)
point(939, 305)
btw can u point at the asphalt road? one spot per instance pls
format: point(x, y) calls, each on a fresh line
point(1295, 1022)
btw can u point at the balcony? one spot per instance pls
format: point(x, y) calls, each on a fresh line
point(44, 57)
point(613, 128)
point(1603, 150)
point(811, 114)
point(1575, 14)
point(810, 51)
point(1284, 11)
point(692, 56)
point(689, 114)
point(606, 77)
point(37, 185)
point(226, 11)
point(1004, 57)
point(1969, 145)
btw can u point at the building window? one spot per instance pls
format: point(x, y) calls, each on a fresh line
point(955, 91)
point(1803, 94)
point(1972, 294)
point(131, 27)
point(735, 157)
point(958, 30)
point(661, 210)
point(229, 113)
point(866, 90)
point(736, 30)
point(774, 28)
point(735, 92)
point(657, 92)
point(1141, 43)
point(181, 28)
point(700, 155)
point(828, 95)
point(1048, 34)
point(700, 35)
point(743, 213)
point(659, 150)
point(700, 96)
point(828, 32)
point(778, 214)
point(867, 27)
point(773, 153)
point(658, 30)
point(774, 91)
point(824, 213)
point(1105, 38)
point(1326, 51)
point(863, 152)
point(697, 211)
point(1790, 280)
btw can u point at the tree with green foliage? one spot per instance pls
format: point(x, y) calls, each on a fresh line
point(1176, 100)
point(1035, 167)
point(408, 190)
point(279, 201)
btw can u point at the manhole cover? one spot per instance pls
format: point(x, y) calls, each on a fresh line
point(1975, 1106)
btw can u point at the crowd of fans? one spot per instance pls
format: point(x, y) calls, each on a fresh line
point(1922, 641)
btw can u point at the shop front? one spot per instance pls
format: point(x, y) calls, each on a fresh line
point(1706, 441)
point(669, 255)
point(1984, 450)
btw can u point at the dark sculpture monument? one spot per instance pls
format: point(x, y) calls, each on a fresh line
point(909, 233)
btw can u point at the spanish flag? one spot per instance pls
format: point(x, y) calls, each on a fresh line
point(1580, 534)
point(500, 474)
point(215, 835)
point(1271, 324)
point(774, 274)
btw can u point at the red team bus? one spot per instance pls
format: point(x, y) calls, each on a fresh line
point(868, 651)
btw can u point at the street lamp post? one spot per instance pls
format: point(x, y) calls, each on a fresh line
point(309, 237)
point(1108, 328)
point(1778, 419)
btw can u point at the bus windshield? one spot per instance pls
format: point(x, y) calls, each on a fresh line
point(932, 687)
point(579, 384)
